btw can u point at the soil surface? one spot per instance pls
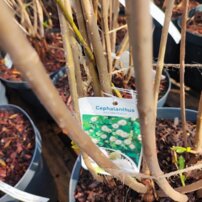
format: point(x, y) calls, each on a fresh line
point(62, 86)
point(121, 33)
point(16, 146)
point(168, 135)
point(194, 24)
point(119, 81)
point(178, 7)
point(50, 52)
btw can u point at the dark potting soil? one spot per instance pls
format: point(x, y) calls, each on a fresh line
point(178, 7)
point(194, 24)
point(119, 81)
point(121, 33)
point(16, 146)
point(111, 190)
point(50, 52)
point(62, 86)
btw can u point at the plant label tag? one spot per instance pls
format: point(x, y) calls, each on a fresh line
point(113, 124)
point(8, 62)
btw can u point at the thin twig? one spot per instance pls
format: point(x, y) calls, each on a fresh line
point(199, 127)
point(91, 65)
point(118, 28)
point(75, 29)
point(123, 47)
point(95, 7)
point(182, 69)
point(101, 61)
point(67, 43)
point(114, 22)
point(162, 50)
point(178, 65)
point(104, 11)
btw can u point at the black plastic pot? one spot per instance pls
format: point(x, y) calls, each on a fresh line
point(3, 98)
point(25, 92)
point(37, 178)
point(21, 85)
point(163, 99)
point(162, 113)
point(31, 99)
point(172, 49)
point(193, 76)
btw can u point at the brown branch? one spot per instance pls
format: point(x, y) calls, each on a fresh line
point(123, 47)
point(91, 65)
point(104, 12)
point(140, 37)
point(178, 65)
point(162, 50)
point(114, 23)
point(67, 39)
point(101, 62)
point(199, 127)
point(182, 59)
point(29, 64)
point(95, 7)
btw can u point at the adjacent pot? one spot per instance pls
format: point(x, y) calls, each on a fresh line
point(37, 172)
point(3, 98)
point(193, 76)
point(172, 49)
point(163, 113)
point(161, 101)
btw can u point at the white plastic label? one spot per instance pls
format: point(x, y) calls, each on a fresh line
point(113, 124)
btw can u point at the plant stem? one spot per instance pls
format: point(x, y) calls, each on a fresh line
point(91, 65)
point(75, 29)
point(25, 19)
point(140, 36)
point(104, 11)
point(67, 39)
point(95, 8)
point(35, 18)
point(29, 64)
point(101, 62)
point(41, 18)
point(77, 54)
point(182, 69)
point(115, 13)
point(162, 49)
point(199, 127)
point(81, 21)
point(123, 47)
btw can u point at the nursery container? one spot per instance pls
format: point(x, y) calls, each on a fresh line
point(193, 76)
point(162, 113)
point(3, 98)
point(25, 92)
point(37, 178)
point(161, 101)
point(172, 49)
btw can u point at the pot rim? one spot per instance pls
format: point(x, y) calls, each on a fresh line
point(37, 147)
